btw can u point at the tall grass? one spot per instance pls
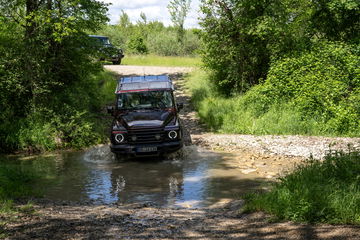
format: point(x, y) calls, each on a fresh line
point(316, 191)
point(253, 112)
point(167, 61)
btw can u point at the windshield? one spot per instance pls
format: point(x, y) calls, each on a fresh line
point(102, 40)
point(145, 100)
point(105, 41)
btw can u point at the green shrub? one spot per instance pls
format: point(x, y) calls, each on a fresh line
point(74, 122)
point(316, 191)
point(323, 83)
point(137, 44)
point(46, 131)
point(164, 44)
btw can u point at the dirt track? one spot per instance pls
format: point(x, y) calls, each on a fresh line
point(59, 220)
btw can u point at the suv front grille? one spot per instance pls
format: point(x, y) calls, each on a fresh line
point(146, 135)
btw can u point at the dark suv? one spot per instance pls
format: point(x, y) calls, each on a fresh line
point(146, 118)
point(107, 51)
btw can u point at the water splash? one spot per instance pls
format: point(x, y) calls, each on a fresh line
point(120, 184)
point(99, 154)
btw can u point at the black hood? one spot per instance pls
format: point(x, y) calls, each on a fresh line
point(145, 118)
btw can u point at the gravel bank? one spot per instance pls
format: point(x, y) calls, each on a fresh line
point(290, 146)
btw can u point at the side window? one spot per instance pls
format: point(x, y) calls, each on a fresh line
point(168, 99)
point(120, 102)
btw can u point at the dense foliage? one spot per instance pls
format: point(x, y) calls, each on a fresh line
point(315, 93)
point(47, 73)
point(316, 191)
point(241, 37)
point(151, 37)
point(321, 84)
point(280, 67)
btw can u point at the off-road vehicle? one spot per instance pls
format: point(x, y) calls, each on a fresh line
point(107, 51)
point(146, 118)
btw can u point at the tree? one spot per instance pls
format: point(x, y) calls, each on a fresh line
point(143, 18)
point(45, 52)
point(236, 37)
point(178, 10)
point(53, 34)
point(241, 37)
point(136, 44)
point(336, 19)
point(124, 21)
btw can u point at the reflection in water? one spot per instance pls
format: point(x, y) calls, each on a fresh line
point(199, 179)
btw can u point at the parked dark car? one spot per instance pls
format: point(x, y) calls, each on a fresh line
point(107, 51)
point(146, 120)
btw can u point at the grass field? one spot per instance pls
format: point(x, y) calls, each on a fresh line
point(152, 60)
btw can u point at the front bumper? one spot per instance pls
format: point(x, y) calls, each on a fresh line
point(127, 149)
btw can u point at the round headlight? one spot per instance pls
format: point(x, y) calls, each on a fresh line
point(119, 138)
point(172, 134)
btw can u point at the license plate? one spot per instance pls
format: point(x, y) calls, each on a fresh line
point(147, 149)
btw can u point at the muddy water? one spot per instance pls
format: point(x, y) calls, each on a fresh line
point(195, 178)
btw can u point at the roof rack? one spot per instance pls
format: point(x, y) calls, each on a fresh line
point(143, 83)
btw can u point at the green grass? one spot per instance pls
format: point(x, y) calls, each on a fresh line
point(16, 182)
point(325, 192)
point(253, 112)
point(153, 60)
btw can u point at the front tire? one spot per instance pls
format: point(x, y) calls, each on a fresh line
point(118, 62)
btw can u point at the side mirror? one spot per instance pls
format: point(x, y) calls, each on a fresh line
point(110, 109)
point(180, 106)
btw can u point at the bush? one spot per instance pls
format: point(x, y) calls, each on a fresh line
point(315, 192)
point(323, 83)
point(74, 122)
point(45, 130)
point(136, 44)
point(164, 44)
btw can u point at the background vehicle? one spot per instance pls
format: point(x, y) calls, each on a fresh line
point(107, 51)
point(146, 118)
